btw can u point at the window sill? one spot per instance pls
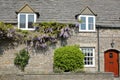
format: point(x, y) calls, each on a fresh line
point(89, 66)
point(87, 31)
point(27, 29)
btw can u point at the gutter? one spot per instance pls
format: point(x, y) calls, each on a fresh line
point(98, 45)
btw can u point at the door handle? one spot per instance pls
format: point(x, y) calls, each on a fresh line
point(111, 62)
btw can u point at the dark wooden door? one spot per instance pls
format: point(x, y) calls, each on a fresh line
point(112, 62)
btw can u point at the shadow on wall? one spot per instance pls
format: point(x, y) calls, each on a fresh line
point(5, 45)
point(8, 44)
point(63, 42)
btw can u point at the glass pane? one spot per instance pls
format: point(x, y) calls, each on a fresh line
point(83, 27)
point(90, 19)
point(88, 58)
point(111, 55)
point(90, 26)
point(22, 21)
point(30, 21)
point(83, 19)
point(83, 23)
point(91, 58)
point(90, 23)
point(88, 54)
point(91, 54)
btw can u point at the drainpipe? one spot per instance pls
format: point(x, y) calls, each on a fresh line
point(98, 43)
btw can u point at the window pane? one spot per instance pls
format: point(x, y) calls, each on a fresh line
point(83, 19)
point(90, 26)
point(90, 19)
point(83, 27)
point(22, 21)
point(30, 21)
point(90, 23)
point(83, 23)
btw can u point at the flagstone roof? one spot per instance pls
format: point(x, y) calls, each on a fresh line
point(64, 11)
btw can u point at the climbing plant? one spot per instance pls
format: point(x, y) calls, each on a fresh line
point(50, 32)
point(45, 33)
point(21, 59)
point(8, 32)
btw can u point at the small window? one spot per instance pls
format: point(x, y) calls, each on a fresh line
point(89, 59)
point(111, 55)
point(26, 20)
point(87, 23)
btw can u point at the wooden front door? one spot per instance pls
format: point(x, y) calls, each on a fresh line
point(111, 58)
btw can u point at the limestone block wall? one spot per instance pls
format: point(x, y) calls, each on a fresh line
point(86, 39)
point(38, 62)
point(80, 76)
point(106, 38)
point(7, 60)
point(42, 62)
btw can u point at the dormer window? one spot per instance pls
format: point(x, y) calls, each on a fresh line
point(26, 20)
point(87, 23)
point(86, 20)
point(26, 17)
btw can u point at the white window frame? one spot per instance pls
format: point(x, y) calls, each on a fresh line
point(93, 65)
point(26, 25)
point(86, 17)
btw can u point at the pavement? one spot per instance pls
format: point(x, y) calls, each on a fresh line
point(117, 78)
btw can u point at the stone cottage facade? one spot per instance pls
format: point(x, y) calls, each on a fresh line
point(98, 34)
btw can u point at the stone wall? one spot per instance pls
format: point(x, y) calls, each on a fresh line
point(85, 39)
point(106, 37)
point(42, 62)
point(79, 76)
